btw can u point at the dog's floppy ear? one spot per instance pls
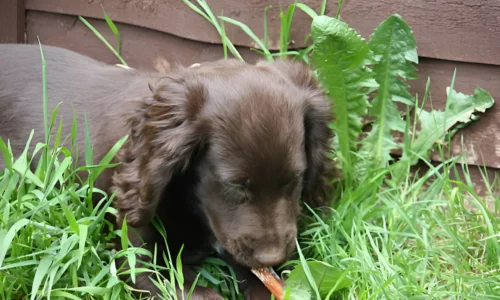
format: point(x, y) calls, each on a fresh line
point(321, 170)
point(164, 133)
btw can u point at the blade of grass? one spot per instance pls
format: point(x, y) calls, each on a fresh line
point(210, 17)
point(5, 154)
point(99, 36)
point(250, 33)
point(114, 29)
point(286, 27)
point(339, 8)
point(223, 38)
point(41, 272)
point(7, 240)
point(45, 154)
point(309, 11)
point(323, 7)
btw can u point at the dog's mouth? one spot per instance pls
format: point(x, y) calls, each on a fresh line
point(238, 258)
point(240, 251)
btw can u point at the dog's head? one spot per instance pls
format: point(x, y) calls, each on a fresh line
point(261, 139)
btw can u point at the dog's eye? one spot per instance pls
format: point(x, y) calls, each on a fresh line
point(293, 187)
point(244, 189)
point(241, 185)
point(245, 184)
point(239, 190)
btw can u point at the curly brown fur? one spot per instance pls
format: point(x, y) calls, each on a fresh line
point(221, 153)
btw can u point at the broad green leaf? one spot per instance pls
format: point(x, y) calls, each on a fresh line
point(394, 52)
point(297, 291)
point(435, 125)
point(307, 271)
point(460, 108)
point(327, 279)
point(339, 57)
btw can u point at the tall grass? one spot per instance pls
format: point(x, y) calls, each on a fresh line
point(389, 233)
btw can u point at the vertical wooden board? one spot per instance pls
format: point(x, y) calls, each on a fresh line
point(12, 19)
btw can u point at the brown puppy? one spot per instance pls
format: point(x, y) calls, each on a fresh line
point(221, 152)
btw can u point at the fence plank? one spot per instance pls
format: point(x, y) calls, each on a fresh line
point(455, 30)
point(12, 21)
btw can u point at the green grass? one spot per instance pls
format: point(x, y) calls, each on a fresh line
point(411, 243)
point(423, 236)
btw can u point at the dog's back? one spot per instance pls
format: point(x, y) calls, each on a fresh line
point(90, 87)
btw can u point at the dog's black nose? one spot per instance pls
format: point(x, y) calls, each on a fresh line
point(270, 257)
